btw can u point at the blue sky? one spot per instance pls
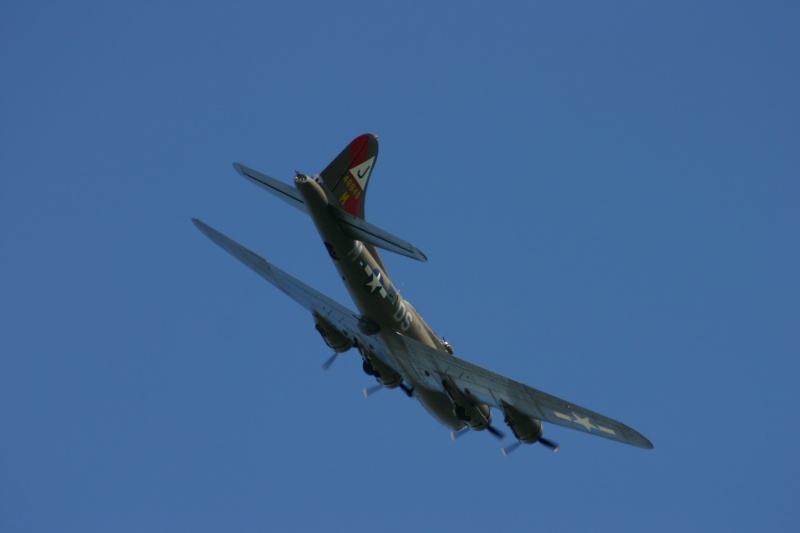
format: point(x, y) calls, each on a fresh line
point(607, 193)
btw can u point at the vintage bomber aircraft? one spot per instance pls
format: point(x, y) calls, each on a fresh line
point(396, 345)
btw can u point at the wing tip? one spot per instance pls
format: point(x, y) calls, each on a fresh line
point(209, 232)
point(199, 224)
point(639, 440)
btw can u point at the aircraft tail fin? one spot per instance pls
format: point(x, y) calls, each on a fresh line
point(347, 176)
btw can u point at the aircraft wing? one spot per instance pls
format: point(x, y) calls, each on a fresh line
point(316, 302)
point(430, 366)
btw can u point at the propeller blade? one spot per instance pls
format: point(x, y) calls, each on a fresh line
point(550, 444)
point(327, 364)
point(372, 390)
point(456, 434)
point(510, 448)
point(496, 432)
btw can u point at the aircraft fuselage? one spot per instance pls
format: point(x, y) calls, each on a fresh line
point(384, 310)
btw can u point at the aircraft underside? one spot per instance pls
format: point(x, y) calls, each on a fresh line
point(397, 347)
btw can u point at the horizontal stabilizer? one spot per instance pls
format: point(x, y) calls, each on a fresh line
point(355, 227)
point(362, 230)
point(285, 192)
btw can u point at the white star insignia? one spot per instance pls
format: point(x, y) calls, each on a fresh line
point(575, 418)
point(583, 421)
point(375, 282)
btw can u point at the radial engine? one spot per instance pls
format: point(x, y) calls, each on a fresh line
point(527, 430)
point(335, 339)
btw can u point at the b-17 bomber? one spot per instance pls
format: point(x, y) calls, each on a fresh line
point(396, 345)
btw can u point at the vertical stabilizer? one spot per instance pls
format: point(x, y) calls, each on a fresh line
point(348, 175)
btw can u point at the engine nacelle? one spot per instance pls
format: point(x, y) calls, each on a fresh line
point(477, 416)
point(528, 430)
point(334, 338)
point(386, 375)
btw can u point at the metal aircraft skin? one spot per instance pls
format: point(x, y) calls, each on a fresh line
point(396, 345)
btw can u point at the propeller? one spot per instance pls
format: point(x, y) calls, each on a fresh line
point(375, 388)
point(372, 390)
point(456, 434)
point(510, 448)
point(327, 364)
point(496, 432)
point(550, 444)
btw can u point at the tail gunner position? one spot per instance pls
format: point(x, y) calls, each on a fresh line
point(397, 347)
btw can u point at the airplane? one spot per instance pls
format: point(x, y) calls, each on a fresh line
point(396, 345)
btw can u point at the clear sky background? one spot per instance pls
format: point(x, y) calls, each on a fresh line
point(608, 193)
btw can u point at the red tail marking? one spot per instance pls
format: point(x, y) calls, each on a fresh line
point(351, 200)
